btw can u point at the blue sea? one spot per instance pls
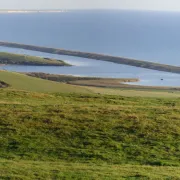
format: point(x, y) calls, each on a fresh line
point(144, 35)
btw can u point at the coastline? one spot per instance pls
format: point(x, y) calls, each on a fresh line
point(121, 83)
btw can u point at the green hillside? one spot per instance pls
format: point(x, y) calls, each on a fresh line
point(52, 130)
point(23, 82)
point(66, 135)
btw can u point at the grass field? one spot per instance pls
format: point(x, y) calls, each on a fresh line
point(55, 133)
point(27, 170)
point(136, 93)
point(9, 58)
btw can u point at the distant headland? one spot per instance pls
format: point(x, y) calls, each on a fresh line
point(32, 11)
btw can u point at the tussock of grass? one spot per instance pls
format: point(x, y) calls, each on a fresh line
point(3, 84)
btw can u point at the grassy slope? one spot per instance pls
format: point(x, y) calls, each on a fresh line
point(24, 82)
point(73, 136)
point(78, 136)
point(8, 58)
point(28, 170)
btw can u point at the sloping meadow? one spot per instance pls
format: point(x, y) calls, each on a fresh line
point(89, 128)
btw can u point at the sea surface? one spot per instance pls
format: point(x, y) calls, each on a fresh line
point(144, 35)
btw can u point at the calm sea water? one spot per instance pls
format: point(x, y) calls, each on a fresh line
point(152, 36)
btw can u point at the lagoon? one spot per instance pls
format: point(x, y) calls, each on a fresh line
point(94, 68)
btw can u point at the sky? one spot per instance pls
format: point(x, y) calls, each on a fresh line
point(165, 5)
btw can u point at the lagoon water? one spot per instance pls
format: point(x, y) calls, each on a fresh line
point(94, 68)
point(152, 36)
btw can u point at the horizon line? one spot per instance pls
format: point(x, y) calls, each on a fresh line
point(88, 9)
